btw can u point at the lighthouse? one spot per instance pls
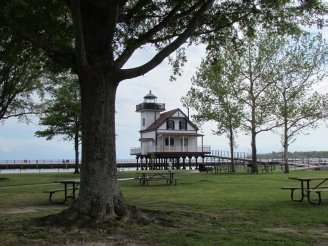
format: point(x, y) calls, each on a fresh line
point(150, 110)
point(166, 136)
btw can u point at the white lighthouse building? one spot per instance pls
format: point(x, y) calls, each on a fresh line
point(166, 135)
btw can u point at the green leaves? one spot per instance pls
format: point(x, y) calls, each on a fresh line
point(62, 111)
point(20, 76)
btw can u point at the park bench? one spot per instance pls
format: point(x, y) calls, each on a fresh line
point(51, 192)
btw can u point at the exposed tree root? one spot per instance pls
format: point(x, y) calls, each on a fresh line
point(72, 218)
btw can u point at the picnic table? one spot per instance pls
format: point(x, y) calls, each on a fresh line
point(223, 168)
point(153, 176)
point(265, 168)
point(306, 189)
point(70, 186)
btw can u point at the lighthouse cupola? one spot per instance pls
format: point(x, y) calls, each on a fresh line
point(150, 98)
point(150, 110)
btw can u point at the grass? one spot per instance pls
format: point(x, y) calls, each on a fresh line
point(213, 209)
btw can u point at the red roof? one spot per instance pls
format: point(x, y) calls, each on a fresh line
point(163, 117)
point(179, 134)
point(146, 139)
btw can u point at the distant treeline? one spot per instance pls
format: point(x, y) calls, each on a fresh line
point(297, 154)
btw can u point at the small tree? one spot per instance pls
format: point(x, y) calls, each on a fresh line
point(62, 114)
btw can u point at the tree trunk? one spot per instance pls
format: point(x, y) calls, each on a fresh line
point(285, 140)
point(100, 197)
point(232, 140)
point(285, 145)
point(254, 152)
point(76, 147)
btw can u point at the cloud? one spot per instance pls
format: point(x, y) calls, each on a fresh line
point(17, 141)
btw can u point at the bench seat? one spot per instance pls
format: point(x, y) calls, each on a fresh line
point(295, 188)
point(146, 180)
point(51, 192)
point(292, 188)
point(318, 191)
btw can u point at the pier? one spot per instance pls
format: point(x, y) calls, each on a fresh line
point(215, 158)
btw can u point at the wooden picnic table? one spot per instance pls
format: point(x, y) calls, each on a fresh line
point(153, 176)
point(306, 189)
point(69, 191)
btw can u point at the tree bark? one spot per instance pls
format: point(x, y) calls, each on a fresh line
point(285, 137)
point(232, 140)
point(254, 152)
point(100, 196)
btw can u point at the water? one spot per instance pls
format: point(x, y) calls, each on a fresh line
point(71, 170)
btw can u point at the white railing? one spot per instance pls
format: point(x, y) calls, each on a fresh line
point(172, 148)
point(135, 150)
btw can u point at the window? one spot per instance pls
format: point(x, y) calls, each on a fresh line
point(167, 141)
point(143, 121)
point(183, 125)
point(170, 125)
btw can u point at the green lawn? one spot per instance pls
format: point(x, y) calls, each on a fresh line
point(213, 209)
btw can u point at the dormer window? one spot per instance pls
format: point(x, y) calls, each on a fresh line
point(183, 125)
point(170, 125)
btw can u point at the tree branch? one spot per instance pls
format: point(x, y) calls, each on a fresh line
point(75, 8)
point(54, 50)
point(165, 52)
point(136, 43)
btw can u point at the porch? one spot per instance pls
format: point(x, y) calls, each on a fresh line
point(173, 149)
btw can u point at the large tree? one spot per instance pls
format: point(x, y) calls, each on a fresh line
point(95, 39)
point(240, 76)
point(61, 114)
point(298, 65)
point(215, 96)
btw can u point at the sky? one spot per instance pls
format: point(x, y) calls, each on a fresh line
point(17, 140)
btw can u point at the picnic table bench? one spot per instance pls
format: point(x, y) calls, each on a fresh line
point(306, 189)
point(223, 168)
point(168, 177)
point(144, 181)
point(318, 191)
point(75, 186)
point(51, 192)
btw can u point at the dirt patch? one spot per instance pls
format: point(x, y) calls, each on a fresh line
point(282, 230)
point(30, 209)
point(319, 231)
point(3, 179)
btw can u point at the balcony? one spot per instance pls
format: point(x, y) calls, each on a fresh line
point(170, 149)
point(154, 106)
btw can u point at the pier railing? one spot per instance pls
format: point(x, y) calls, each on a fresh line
point(216, 156)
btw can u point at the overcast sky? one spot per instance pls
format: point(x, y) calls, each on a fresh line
point(17, 141)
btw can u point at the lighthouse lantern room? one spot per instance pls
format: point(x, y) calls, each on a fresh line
point(150, 110)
